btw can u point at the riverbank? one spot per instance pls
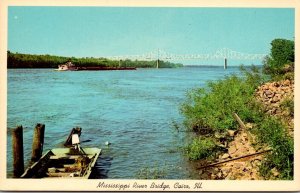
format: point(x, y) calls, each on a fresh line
point(267, 110)
point(276, 98)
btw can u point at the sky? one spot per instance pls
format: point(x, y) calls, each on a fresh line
point(115, 31)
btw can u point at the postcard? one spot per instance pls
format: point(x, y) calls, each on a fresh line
point(149, 96)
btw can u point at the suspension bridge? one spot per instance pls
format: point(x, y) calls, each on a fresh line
point(224, 54)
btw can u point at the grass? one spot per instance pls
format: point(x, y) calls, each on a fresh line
point(289, 105)
point(200, 148)
point(208, 112)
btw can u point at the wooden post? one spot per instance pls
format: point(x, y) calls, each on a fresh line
point(157, 62)
point(38, 142)
point(18, 152)
point(238, 119)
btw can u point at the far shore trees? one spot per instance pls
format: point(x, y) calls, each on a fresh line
point(17, 60)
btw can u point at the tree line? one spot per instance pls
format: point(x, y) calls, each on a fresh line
point(19, 60)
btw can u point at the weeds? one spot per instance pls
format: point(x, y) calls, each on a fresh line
point(289, 105)
point(271, 131)
point(200, 148)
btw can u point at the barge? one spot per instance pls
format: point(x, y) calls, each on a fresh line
point(72, 67)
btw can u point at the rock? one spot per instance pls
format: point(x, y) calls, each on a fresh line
point(249, 125)
point(200, 172)
point(276, 84)
point(287, 82)
point(251, 151)
point(205, 176)
point(231, 133)
point(268, 93)
point(219, 175)
point(238, 165)
point(278, 95)
point(232, 150)
point(229, 177)
point(216, 170)
point(275, 172)
point(225, 156)
point(275, 99)
point(213, 176)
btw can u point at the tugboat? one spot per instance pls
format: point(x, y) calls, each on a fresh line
point(67, 67)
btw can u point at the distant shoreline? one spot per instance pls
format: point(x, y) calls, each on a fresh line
point(19, 60)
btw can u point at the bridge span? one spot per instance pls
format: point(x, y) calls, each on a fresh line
point(224, 54)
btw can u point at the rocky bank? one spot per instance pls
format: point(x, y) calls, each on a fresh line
point(272, 95)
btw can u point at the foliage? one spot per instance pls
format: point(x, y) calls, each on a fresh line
point(209, 110)
point(200, 148)
point(17, 60)
point(289, 105)
point(282, 56)
point(271, 132)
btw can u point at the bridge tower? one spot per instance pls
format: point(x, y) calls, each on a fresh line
point(157, 62)
point(225, 63)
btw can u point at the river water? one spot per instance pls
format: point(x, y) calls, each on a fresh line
point(134, 110)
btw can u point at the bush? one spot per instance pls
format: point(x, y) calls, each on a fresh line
point(209, 110)
point(271, 131)
point(282, 55)
point(200, 148)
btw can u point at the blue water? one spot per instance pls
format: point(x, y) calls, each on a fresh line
point(134, 110)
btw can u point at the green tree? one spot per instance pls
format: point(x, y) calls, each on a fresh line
point(282, 55)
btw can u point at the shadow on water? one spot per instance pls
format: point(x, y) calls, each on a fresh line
point(101, 168)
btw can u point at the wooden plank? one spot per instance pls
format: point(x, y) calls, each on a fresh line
point(54, 170)
point(59, 174)
point(65, 157)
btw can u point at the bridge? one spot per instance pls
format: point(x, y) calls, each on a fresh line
point(224, 54)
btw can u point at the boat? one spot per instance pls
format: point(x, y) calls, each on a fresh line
point(61, 163)
point(69, 66)
point(72, 162)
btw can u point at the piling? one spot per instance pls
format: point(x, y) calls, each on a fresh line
point(38, 142)
point(157, 62)
point(18, 151)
